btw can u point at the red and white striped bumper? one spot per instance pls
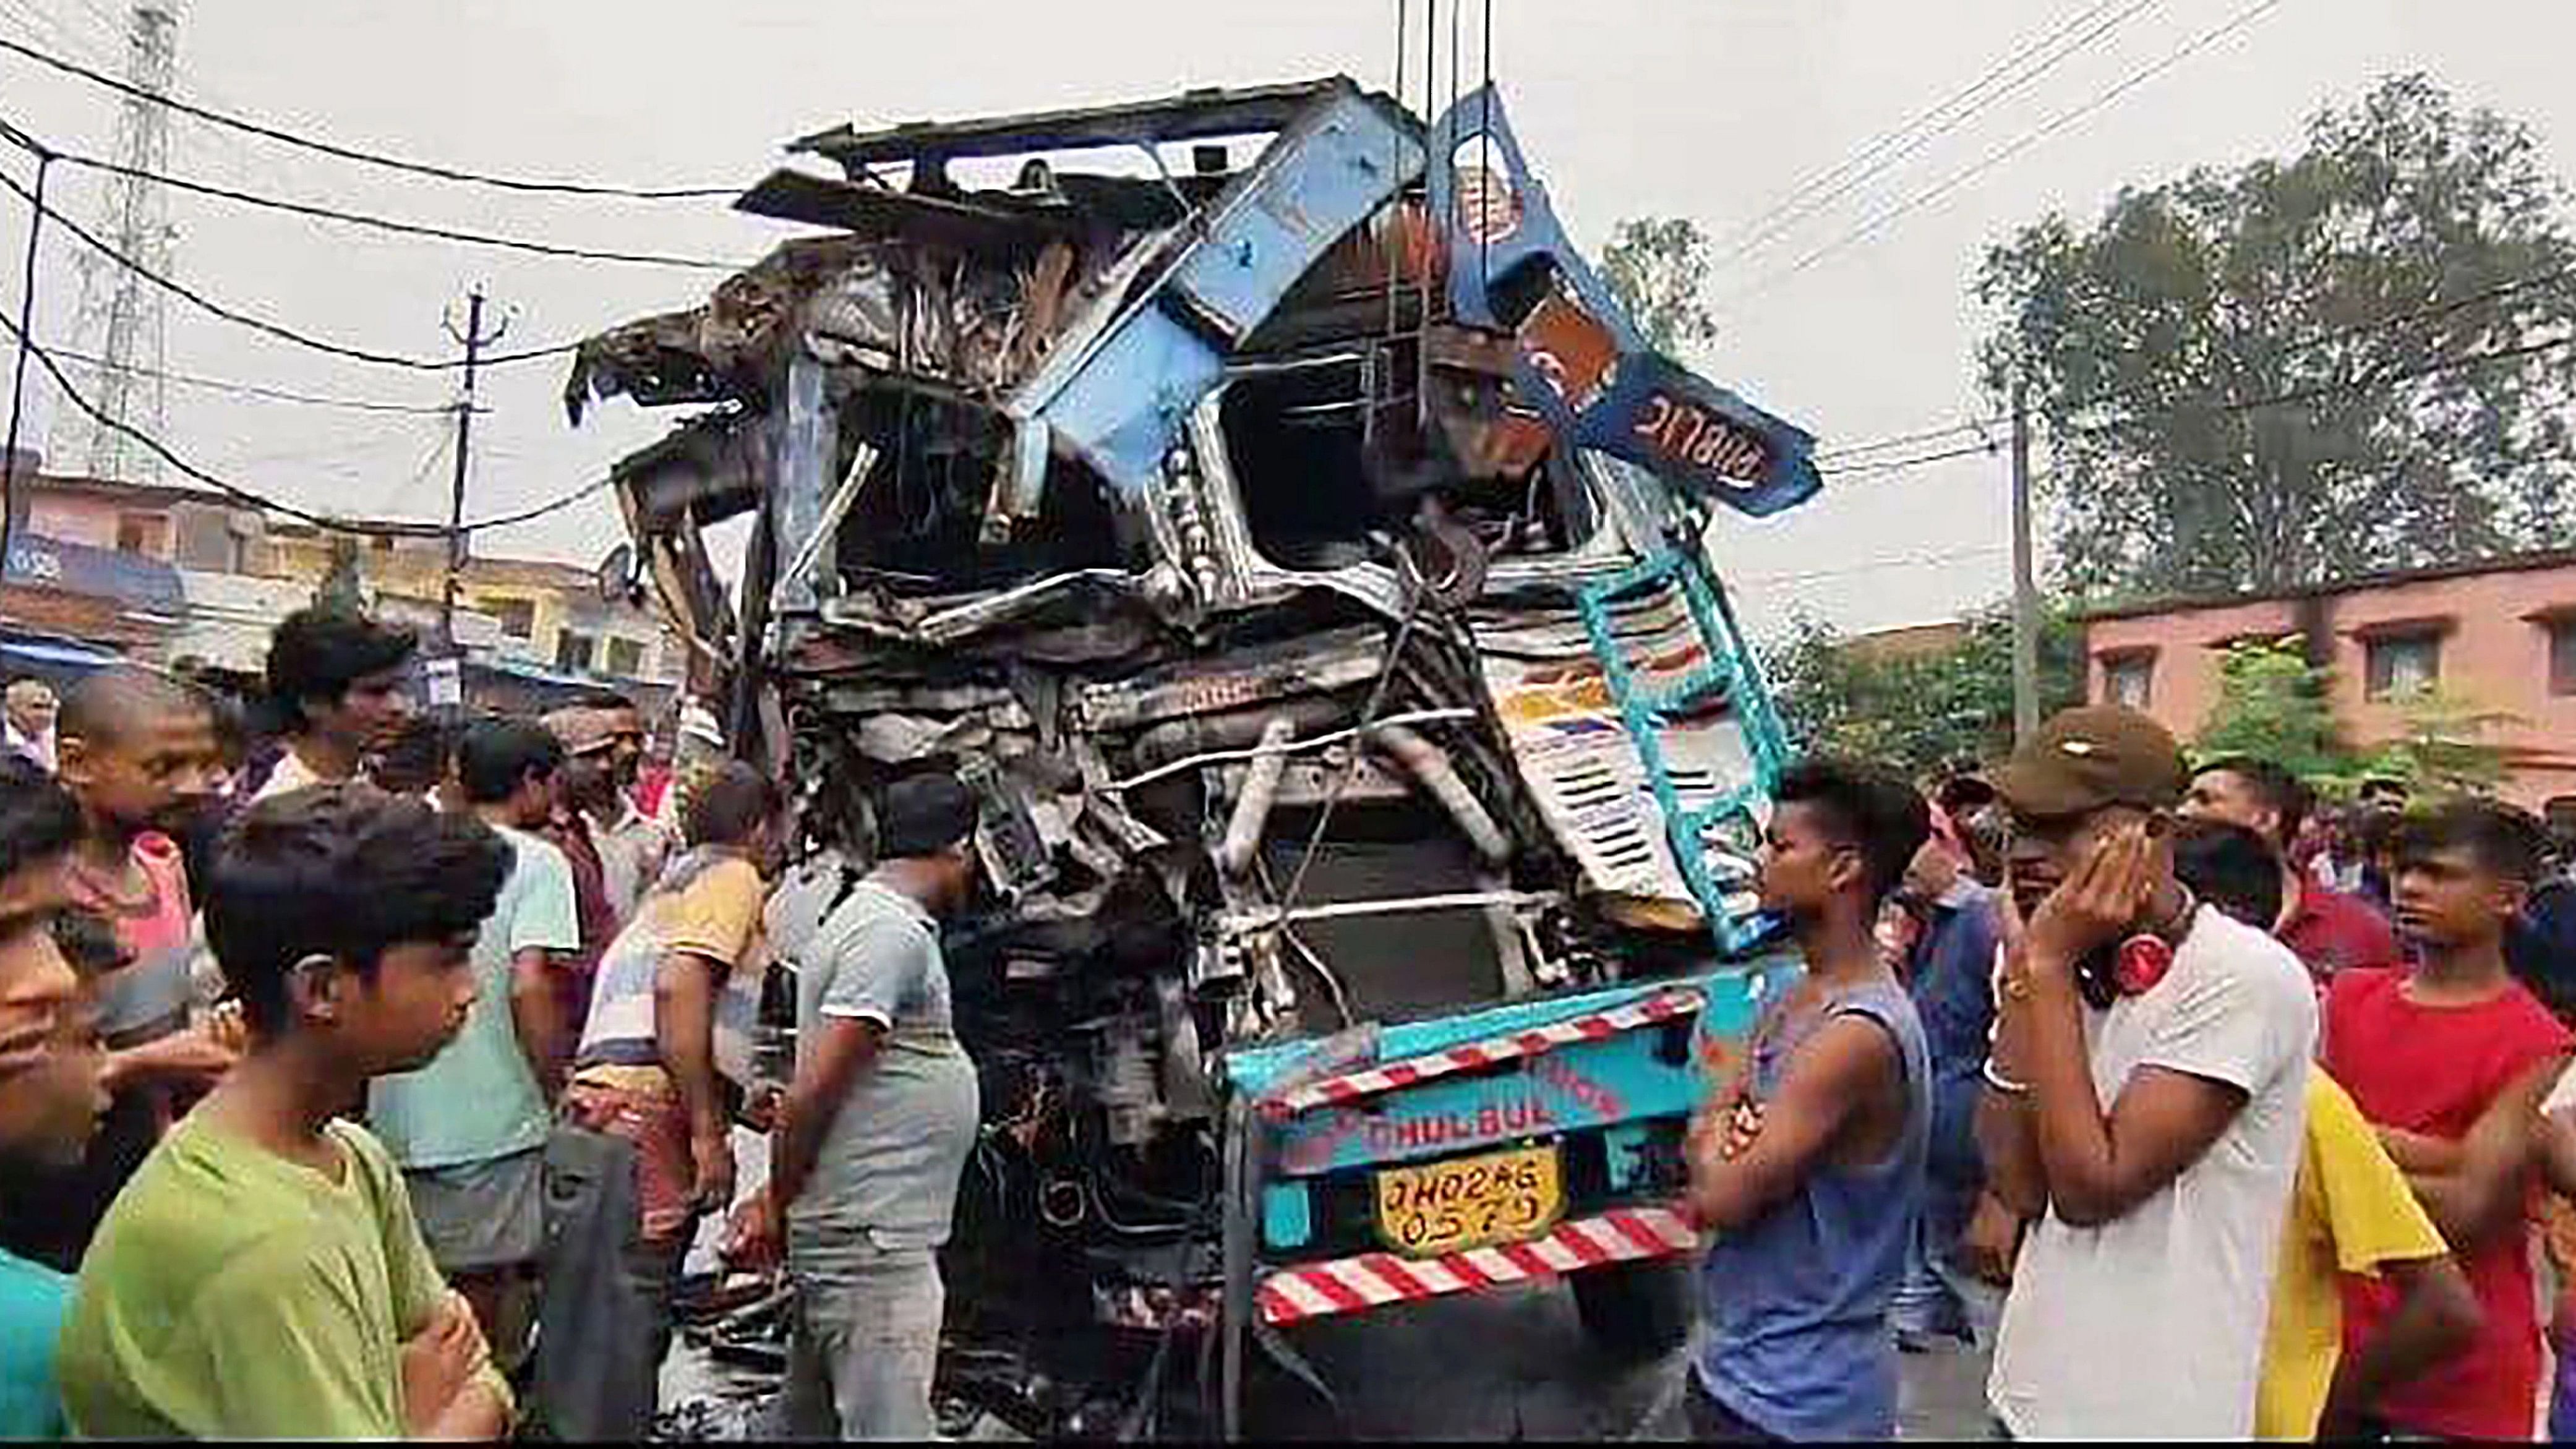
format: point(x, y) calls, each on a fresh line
point(1349, 1087)
point(1348, 1285)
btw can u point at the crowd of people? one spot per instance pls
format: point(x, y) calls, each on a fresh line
point(2206, 1121)
point(376, 1083)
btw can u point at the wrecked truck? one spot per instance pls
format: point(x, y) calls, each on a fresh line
point(1301, 554)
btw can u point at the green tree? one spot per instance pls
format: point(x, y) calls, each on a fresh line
point(1659, 268)
point(2273, 705)
point(2303, 369)
point(1918, 712)
point(2442, 747)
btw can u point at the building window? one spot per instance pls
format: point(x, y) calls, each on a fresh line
point(518, 617)
point(2397, 666)
point(573, 651)
point(2129, 680)
point(626, 658)
point(137, 533)
point(2562, 656)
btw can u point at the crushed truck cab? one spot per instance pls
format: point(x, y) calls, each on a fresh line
point(1302, 556)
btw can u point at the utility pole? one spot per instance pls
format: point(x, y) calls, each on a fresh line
point(2025, 616)
point(474, 339)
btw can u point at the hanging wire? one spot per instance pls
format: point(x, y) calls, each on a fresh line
point(1879, 220)
point(239, 318)
point(236, 388)
point(352, 153)
point(26, 347)
point(162, 450)
point(390, 225)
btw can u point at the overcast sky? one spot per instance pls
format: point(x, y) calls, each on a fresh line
point(1709, 109)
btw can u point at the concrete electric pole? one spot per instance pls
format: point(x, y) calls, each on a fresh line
point(2025, 615)
point(474, 340)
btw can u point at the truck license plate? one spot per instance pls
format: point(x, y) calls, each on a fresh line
point(1472, 1202)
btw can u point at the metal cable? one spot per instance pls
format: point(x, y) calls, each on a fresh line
point(352, 153)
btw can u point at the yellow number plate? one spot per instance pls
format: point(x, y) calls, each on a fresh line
point(1473, 1202)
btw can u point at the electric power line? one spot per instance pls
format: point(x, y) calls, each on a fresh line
point(1879, 220)
point(405, 529)
point(2440, 307)
point(1784, 217)
point(1865, 471)
point(392, 225)
point(366, 157)
point(2439, 366)
point(278, 330)
point(1844, 452)
point(1951, 555)
point(267, 393)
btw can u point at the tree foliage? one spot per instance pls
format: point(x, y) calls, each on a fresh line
point(2303, 369)
point(1918, 712)
point(1659, 268)
point(2442, 747)
point(2274, 705)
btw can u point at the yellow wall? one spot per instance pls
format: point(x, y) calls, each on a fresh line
point(417, 569)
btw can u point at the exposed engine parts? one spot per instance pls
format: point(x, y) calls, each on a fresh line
point(1303, 609)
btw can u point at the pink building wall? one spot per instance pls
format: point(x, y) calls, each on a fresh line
point(82, 519)
point(2495, 631)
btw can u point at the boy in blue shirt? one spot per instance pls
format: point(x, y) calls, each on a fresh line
point(1809, 1165)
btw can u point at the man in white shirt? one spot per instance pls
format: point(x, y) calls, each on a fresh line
point(605, 737)
point(2145, 1104)
point(29, 708)
point(340, 678)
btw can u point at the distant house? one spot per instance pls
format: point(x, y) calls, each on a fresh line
point(181, 574)
point(2500, 634)
point(91, 568)
point(548, 616)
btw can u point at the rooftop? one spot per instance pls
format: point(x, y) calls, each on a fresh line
point(2393, 578)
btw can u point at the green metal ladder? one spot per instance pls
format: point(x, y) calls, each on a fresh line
point(1730, 672)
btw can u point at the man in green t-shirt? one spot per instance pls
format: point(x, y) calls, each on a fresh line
point(51, 1092)
point(262, 1276)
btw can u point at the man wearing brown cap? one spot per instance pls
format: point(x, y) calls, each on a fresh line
point(2145, 1103)
point(588, 738)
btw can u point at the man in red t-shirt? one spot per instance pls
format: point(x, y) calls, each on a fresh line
point(2450, 1060)
point(2327, 930)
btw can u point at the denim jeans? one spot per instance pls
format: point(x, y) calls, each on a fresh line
point(1936, 1296)
point(866, 1340)
point(604, 1306)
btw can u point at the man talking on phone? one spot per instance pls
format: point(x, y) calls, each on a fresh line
point(2144, 1103)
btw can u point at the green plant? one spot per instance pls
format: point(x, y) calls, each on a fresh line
point(2274, 705)
point(1918, 712)
point(2442, 747)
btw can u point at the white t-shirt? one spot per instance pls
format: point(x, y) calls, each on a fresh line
point(2151, 1326)
point(291, 774)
